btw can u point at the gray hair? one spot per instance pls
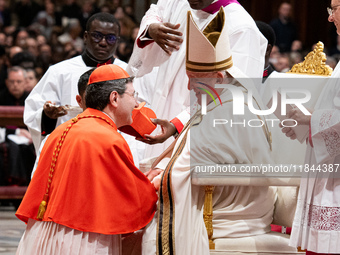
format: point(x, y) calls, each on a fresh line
point(17, 69)
point(98, 94)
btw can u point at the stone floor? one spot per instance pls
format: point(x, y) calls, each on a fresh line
point(11, 230)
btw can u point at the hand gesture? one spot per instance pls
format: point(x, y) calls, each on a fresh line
point(168, 129)
point(166, 36)
point(289, 132)
point(52, 111)
point(154, 175)
point(157, 183)
point(296, 114)
point(301, 119)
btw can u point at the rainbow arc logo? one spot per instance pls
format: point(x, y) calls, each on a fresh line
point(209, 93)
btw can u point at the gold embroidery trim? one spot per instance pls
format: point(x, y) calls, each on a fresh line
point(166, 198)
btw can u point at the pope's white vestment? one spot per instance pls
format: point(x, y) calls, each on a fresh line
point(316, 225)
point(171, 96)
point(238, 211)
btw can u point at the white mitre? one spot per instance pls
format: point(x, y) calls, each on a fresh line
point(209, 50)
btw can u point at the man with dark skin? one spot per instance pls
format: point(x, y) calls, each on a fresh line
point(269, 33)
point(58, 87)
point(166, 34)
point(100, 52)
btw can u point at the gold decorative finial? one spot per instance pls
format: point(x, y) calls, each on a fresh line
point(208, 214)
point(314, 63)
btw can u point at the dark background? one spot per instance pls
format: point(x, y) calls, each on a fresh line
point(311, 17)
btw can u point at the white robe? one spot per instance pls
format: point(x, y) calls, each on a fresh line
point(316, 224)
point(171, 95)
point(59, 85)
point(237, 211)
point(48, 237)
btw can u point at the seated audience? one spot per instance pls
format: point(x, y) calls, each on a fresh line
point(15, 93)
point(17, 154)
point(32, 79)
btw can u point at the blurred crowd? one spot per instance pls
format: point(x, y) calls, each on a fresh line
point(35, 36)
point(284, 61)
point(288, 49)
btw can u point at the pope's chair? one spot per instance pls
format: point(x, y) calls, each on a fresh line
point(266, 244)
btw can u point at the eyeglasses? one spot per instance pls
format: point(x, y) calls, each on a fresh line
point(134, 95)
point(331, 10)
point(109, 38)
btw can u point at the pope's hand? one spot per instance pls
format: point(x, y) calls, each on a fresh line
point(168, 129)
point(52, 111)
point(157, 182)
point(155, 177)
point(166, 35)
